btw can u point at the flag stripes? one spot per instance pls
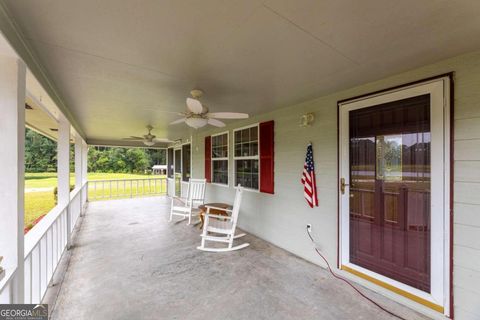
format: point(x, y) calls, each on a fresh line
point(308, 179)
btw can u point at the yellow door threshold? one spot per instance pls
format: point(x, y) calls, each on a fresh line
point(398, 291)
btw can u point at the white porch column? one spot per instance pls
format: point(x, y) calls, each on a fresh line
point(63, 161)
point(84, 161)
point(78, 161)
point(84, 171)
point(63, 169)
point(12, 169)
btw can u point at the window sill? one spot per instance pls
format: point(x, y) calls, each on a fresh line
point(220, 184)
point(249, 189)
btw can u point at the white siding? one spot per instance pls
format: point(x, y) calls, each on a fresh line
point(281, 218)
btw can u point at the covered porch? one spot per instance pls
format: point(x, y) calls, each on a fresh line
point(383, 95)
point(127, 260)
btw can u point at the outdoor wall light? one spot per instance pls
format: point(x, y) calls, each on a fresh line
point(307, 119)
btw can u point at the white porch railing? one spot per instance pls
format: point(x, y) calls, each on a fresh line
point(126, 188)
point(44, 246)
point(176, 187)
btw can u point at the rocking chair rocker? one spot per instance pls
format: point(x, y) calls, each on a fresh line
point(223, 226)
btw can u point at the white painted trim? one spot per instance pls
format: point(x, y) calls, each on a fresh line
point(227, 158)
point(256, 124)
point(440, 183)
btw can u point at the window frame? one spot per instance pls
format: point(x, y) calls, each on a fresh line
point(257, 157)
point(183, 159)
point(170, 165)
point(212, 159)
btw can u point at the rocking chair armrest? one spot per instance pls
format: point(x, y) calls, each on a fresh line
point(216, 216)
point(217, 208)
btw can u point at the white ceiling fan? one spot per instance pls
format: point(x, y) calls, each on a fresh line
point(197, 115)
point(148, 139)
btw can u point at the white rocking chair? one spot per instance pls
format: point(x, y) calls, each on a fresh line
point(195, 196)
point(223, 226)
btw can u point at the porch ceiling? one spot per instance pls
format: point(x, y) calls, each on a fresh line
point(119, 64)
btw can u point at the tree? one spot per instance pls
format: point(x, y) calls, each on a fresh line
point(40, 152)
point(41, 156)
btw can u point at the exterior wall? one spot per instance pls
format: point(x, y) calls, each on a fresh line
point(281, 218)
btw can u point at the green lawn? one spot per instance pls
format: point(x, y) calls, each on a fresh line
point(39, 198)
point(37, 204)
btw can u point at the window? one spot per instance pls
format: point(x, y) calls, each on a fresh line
point(186, 157)
point(170, 162)
point(246, 157)
point(220, 158)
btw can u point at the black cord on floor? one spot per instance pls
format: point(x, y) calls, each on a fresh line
point(348, 282)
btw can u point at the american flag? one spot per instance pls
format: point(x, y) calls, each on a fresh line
point(308, 179)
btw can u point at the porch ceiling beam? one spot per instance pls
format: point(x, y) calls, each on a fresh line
point(121, 143)
point(13, 34)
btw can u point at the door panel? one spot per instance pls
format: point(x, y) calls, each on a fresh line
point(389, 147)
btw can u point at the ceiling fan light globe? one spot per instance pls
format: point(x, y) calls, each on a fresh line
point(148, 143)
point(196, 123)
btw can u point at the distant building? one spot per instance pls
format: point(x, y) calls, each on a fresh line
point(159, 169)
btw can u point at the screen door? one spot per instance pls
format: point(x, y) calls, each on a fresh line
point(394, 190)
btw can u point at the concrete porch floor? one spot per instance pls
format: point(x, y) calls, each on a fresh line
point(128, 262)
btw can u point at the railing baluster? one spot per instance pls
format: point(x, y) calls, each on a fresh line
point(51, 242)
point(31, 277)
point(39, 270)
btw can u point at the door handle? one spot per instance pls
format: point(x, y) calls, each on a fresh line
point(343, 185)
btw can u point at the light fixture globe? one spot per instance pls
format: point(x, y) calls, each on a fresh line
point(196, 122)
point(148, 143)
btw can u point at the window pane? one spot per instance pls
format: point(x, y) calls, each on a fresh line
point(220, 146)
point(186, 150)
point(238, 135)
point(238, 150)
point(220, 171)
point(254, 134)
point(170, 162)
point(245, 135)
point(254, 149)
point(247, 173)
point(178, 161)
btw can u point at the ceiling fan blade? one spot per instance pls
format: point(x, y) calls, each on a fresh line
point(133, 138)
point(165, 140)
point(216, 123)
point(158, 109)
point(194, 105)
point(227, 115)
point(178, 121)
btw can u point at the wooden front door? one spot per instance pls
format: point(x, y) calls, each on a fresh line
point(394, 190)
point(390, 190)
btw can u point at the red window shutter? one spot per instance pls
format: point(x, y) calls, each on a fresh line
point(266, 157)
point(208, 158)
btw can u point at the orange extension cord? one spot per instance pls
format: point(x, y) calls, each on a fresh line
point(348, 282)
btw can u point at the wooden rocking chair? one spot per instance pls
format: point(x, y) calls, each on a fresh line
point(195, 196)
point(223, 226)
